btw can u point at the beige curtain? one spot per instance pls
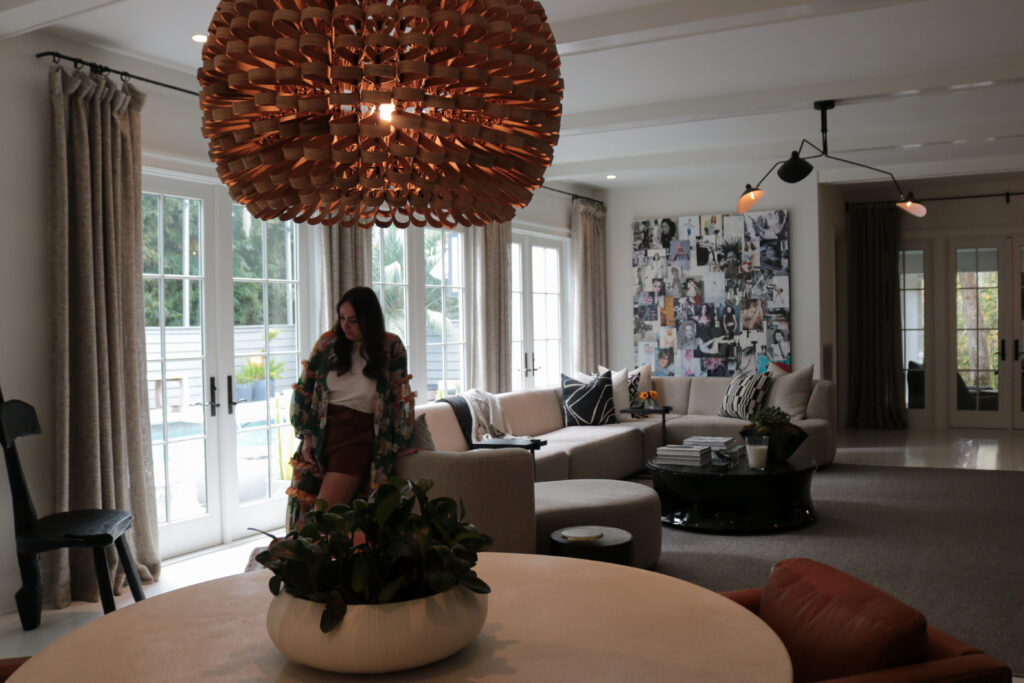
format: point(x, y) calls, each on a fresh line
point(876, 350)
point(98, 372)
point(490, 357)
point(346, 258)
point(590, 295)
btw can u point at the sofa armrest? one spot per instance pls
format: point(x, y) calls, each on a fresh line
point(748, 597)
point(822, 402)
point(977, 668)
point(496, 486)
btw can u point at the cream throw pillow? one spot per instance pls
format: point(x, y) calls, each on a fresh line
point(620, 388)
point(790, 390)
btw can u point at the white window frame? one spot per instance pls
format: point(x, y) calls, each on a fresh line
point(527, 235)
point(416, 311)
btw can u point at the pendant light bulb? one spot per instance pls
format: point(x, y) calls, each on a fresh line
point(750, 196)
point(384, 111)
point(912, 206)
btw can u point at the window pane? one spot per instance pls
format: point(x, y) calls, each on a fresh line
point(517, 317)
point(454, 259)
point(433, 267)
point(151, 233)
point(248, 303)
point(434, 315)
point(280, 303)
point(517, 267)
point(174, 306)
point(393, 302)
point(280, 251)
point(186, 478)
point(247, 243)
point(192, 208)
point(151, 303)
point(174, 235)
point(392, 256)
point(251, 452)
point(453, 315)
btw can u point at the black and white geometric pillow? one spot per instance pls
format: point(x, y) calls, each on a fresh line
point(588, 403)
point(634, 389)
point(745, 395)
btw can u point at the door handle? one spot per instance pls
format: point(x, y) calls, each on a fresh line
point(526, 364)
point(1002, 349)
point(213, 398)
point(231, 396)
point(1016, 349)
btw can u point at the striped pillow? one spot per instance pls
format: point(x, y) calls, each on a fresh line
point(745, 395)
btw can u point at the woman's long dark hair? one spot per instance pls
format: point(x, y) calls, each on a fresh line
point(371, 323)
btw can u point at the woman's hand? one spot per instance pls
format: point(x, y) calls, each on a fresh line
point(307, 450)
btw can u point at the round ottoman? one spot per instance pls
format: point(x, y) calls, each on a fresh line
point(600, 502)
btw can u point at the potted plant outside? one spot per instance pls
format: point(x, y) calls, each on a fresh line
point(395, 570)
point(251, 378)
point(784, 437)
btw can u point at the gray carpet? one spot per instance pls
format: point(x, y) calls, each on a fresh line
point(948, 542)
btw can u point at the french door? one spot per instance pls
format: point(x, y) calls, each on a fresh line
point(221, 296)
point(988, 295)
point(539, 310)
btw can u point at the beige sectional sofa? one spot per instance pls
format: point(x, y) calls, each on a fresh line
point(615, 451)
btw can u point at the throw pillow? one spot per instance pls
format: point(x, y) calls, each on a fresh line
point(620, 388)
point(745, 395)
point(791, 391)
point(639, 382)
point(588, 403)
point(422, 439)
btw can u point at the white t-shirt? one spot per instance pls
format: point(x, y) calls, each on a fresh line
point(353, 389)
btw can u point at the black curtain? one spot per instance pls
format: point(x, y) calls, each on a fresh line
point(876, 351)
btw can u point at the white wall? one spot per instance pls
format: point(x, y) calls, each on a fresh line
point(171, 130)
point(719, 196)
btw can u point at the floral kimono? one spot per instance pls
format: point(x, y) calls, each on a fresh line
point(393, 414)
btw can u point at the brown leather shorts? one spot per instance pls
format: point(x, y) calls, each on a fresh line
point(348, 443)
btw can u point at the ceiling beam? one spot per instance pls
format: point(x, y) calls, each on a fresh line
point(1002, 71)
point(674, 19)
point(24, 16)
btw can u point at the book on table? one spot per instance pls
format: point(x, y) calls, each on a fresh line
point(678, 454)
point(713, 442)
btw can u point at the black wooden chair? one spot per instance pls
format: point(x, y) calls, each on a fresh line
point(96, 529)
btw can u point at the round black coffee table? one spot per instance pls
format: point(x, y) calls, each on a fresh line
point(735, 499)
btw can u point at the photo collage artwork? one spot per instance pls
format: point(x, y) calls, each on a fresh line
point(711, 294)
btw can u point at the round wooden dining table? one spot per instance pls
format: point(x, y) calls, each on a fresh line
point(549, 619)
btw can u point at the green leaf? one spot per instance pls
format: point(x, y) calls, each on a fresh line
point(387, 593)
point(334, 612)
point(474, 583)
point(387, 506)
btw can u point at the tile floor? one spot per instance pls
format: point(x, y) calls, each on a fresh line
point(956, 448)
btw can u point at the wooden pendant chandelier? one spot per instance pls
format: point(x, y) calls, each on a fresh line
point(359, 113)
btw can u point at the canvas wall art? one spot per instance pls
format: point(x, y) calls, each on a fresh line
point(711, 293)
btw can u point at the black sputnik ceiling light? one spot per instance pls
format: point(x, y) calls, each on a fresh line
point(796, 168)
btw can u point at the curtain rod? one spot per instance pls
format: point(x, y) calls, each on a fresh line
point(1005, 195)
point(574, 195)
point(103, 69)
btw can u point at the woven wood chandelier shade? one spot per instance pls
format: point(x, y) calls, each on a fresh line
point(295, 96)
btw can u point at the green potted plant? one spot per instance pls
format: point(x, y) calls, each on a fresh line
point(784, 437)
point(253, 375)
point(399, 565)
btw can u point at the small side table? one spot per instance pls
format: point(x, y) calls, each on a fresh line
point(528, 442)
point(601, 543)
point(644, 412)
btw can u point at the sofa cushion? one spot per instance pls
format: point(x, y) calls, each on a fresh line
point(620, 389)
point(533, 412)
point(835, 625)
point(745, 395)
point(444, 427)
point(639, 381)
point(673, 391)
point(706, 395)
point(611, 451)
point(422, 439)
point(790, 390)
point(588, 403)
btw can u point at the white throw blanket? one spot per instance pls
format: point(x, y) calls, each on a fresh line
point(488, 418)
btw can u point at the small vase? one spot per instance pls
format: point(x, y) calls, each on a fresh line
point(649, 404)
point(377, 638)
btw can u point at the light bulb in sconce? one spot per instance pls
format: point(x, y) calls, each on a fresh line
point(750, 196)
point(912, 206)
point(384, 111)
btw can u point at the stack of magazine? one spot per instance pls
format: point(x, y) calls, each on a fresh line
point(681, 454)
point(715, 443)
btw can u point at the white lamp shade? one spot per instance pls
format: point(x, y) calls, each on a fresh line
point(912, 207)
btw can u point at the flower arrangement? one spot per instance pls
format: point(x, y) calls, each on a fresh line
point(784, 437)
point(647, 398)
point(377, 551)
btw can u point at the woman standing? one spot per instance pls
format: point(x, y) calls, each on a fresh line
point(352, 408)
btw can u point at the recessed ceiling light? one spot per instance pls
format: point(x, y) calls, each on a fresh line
point(199, 38)
point(610, 177)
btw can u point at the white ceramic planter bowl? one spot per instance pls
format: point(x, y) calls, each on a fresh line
point(377, 638)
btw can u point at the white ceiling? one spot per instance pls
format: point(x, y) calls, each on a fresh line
point(667, 91)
